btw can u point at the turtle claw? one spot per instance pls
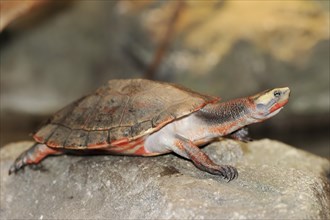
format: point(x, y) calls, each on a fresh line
point(228, 172)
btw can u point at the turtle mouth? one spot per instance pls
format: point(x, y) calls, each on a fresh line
point(274, 112)
point(268, 115)
point(278, 105)
point(276, 108)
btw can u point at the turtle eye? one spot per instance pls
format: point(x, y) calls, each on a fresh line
point(277, 93)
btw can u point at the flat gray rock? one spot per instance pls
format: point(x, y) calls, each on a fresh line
point(275, 181)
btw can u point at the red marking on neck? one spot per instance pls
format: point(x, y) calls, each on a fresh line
point(278, 105)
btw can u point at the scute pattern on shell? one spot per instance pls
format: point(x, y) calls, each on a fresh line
point(118, 110)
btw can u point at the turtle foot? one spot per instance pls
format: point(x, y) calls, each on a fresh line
point(32, 156)
point(186, 148)
point(228, 172)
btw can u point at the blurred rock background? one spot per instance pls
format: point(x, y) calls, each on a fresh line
point(53, 52)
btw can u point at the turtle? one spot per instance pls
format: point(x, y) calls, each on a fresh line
point(146, 118)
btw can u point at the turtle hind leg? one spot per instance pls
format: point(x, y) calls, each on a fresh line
point(33, 156)
point(187, 149)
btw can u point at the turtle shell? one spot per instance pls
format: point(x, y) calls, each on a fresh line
point(119, 112)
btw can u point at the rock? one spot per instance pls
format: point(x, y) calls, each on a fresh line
point(275, 181)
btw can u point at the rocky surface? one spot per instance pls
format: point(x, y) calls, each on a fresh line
point(275, 181)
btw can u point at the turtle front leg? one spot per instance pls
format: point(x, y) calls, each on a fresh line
point(241, 135)
point(188, 150)
point(33, 156)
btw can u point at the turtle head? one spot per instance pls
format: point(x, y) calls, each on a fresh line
point(268, 103)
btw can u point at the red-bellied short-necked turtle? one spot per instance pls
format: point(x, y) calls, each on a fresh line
point(146, 118)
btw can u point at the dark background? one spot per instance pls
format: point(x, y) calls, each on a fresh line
point(54, 52)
